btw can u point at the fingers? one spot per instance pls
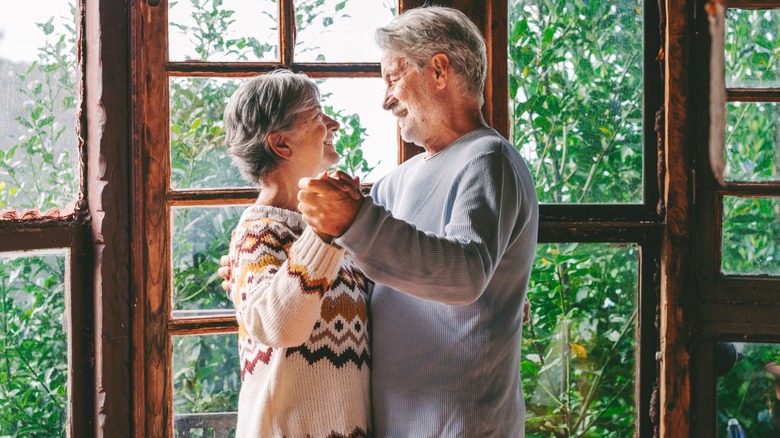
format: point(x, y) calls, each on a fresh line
point(224, 272)
point(334, 180)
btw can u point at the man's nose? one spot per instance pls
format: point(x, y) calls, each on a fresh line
point(389, 101)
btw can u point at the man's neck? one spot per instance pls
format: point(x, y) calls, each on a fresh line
point(452, 130)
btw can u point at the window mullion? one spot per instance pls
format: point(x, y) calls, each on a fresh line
point(287, 30)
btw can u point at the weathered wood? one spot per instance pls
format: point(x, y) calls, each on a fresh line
point(152, 386)
point(753, 4)
point(676, 259)
point(106, 129)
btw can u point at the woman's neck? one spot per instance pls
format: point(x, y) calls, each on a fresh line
point(279, 193)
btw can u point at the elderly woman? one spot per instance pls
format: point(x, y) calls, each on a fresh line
point(300, 302)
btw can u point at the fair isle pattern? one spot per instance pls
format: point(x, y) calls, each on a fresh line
point(302, 312)
point(341, 334)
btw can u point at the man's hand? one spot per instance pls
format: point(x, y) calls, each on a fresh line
point(343, 182)
point(224, 272)
point(329, 202)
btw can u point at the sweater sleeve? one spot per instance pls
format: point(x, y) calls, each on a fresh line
point(279, 281)
point(454, 268)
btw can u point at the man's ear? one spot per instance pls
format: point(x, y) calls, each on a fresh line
point(278, 143)
point(440, 63)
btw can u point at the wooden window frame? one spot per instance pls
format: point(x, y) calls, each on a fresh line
point(27, 236)
point(641, 224)
point(720, 308)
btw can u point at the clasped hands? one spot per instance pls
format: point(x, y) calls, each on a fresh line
point(329, 202)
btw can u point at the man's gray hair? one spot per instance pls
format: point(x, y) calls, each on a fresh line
point(261, 105)
point(419, 33)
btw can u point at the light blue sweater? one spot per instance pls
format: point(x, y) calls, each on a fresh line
point(450, 242)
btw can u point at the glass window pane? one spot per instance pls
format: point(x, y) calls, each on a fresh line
point(575, 93)
point(368, 138)
point(198, 156)
point(39, 153)
point(223, 30)
point(367, 141)
point(206, 384)
point(752, 136)
point(748, 389)
point(33, 344)
point(751, 236)
point(340, 30)
point(752, 45)
point(201, 235)
point(579, 348)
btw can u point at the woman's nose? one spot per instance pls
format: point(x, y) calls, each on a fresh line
point(332, 124)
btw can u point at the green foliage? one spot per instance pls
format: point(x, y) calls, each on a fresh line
point(315, 14)
point(212, 21)
point(751, 235)
point(206, 376)
point(33, 347)
point(752, 47)
point(575, 87)
point(579, 347)
point(201, 237)
point(198, 156)
point(349, 140)
point(37, 169)
point(751, 137)
point(747, 392)
point(751, 226)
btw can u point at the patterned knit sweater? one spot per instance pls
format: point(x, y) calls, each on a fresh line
point(303, 331)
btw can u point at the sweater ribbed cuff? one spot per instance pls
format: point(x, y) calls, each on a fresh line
point(320, 259)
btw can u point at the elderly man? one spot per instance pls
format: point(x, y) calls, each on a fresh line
point(448, 237)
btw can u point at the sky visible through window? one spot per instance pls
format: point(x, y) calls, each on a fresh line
point(19, 36)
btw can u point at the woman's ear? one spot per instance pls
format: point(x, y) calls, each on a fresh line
point(278, 143)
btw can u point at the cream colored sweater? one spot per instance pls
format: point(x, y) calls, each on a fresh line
point(303, 331)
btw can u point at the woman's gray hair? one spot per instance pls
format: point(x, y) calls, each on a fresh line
point(261, 105)
point(419, 33)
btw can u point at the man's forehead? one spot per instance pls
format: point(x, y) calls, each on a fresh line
point(393, 63)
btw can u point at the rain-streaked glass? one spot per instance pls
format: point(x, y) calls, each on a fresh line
point(340, 30)
point(748, 389)
point(199, 158)
point(34, 333)
point(206, 383)
point(752, 45)
point(201, 235)
point(368, 138)
point(38, 144)
point(576, 98)
point(579, 348)
point(223, 30)
point(751, 236)
point(752, 139)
